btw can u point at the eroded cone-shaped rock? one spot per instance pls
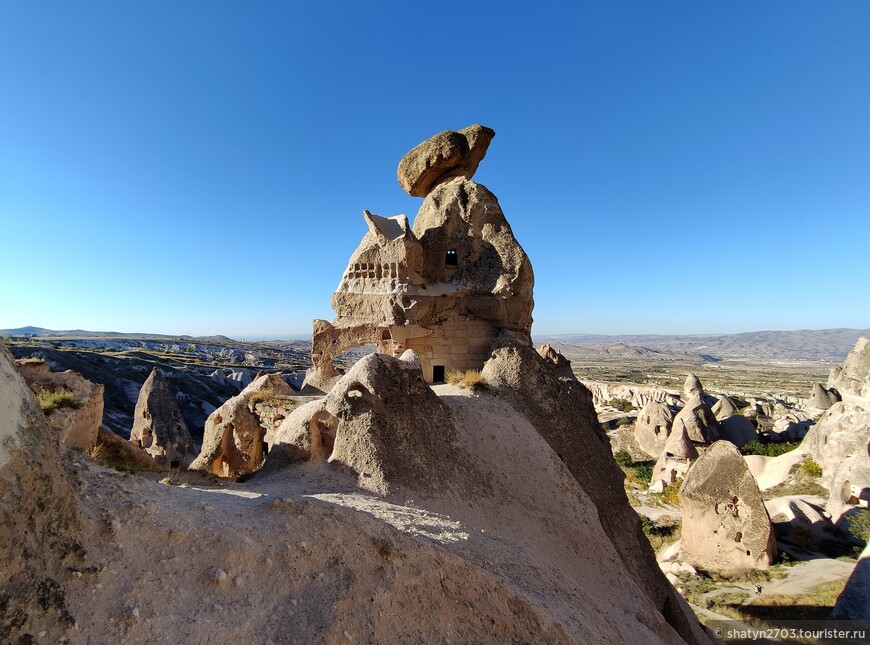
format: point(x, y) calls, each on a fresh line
point(234, 439)
point(823, 398)
point(854, 377)
point(738, 430)
point(388, 441)
point(444, 156)
point(724, 408)
point(76, 426)
point(698, 421)
point(692, 387)
point(725, 523)
point(40, 526)
point(563, 413)
point(677, 456)
point(853, 602)
point(158, 426)
point(653, 427)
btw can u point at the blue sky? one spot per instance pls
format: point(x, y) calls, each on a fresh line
point(202, 167)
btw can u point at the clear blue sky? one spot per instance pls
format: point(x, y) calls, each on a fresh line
point(201, 167)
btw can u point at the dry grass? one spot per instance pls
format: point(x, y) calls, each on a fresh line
point(51, 400)
point(468, 379)
point(121, 458)
point(816, 604)
point(268, 396)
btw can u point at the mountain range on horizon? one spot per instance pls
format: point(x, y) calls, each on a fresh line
point(817, 345)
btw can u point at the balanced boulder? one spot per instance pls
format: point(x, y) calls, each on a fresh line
point(158, 426)
point(444, 156)
point(725, 523)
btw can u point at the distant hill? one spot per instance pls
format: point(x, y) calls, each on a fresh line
point(817, 345)
point(42, 332)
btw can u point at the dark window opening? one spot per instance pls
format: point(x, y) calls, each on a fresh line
point(452, 258)
point(437, 373)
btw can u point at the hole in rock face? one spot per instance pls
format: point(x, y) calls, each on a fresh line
point(738, 537)
point(451, 259)
point(324, 429)
point(438, 374)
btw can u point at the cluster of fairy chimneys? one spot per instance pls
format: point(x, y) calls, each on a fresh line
point(677, 438)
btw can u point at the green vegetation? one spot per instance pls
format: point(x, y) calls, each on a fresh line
point(643, 471)
point(811, 468)
point(625, 421)
point(638, 472)
point(671, 493)
point(468, 379)
point(622, 405)
point(666, 531)
point(859, 525)
point(768, 449)
point(623, 458)
point(51, 400)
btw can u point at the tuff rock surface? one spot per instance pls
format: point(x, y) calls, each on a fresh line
point(444, 156)
point(158, 426)
point(444, 287)
point(234, 439)
point(653, 427)
point(76, 427)
point(853, 378)
point(725, 527)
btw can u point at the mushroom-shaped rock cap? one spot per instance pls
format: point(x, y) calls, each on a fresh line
point(447, 155)
point(693, 387)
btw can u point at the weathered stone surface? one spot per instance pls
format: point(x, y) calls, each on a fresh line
point(653, 427)
point(724, 408)
point(158, 426)
point(40, 518)
point(854, 601)
point(76, 427)
point(698, 422)
point(677, 456)
point(854, 377)
point(444, 288)
point(823, 398)
point(561, 365)
point(563, 413)
point(692, 387)
point(234, 440)
point(639, 395)
point(112, 450)
point(725, 523)
point(738, 430)
point(444, 156)
point(840, 443)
